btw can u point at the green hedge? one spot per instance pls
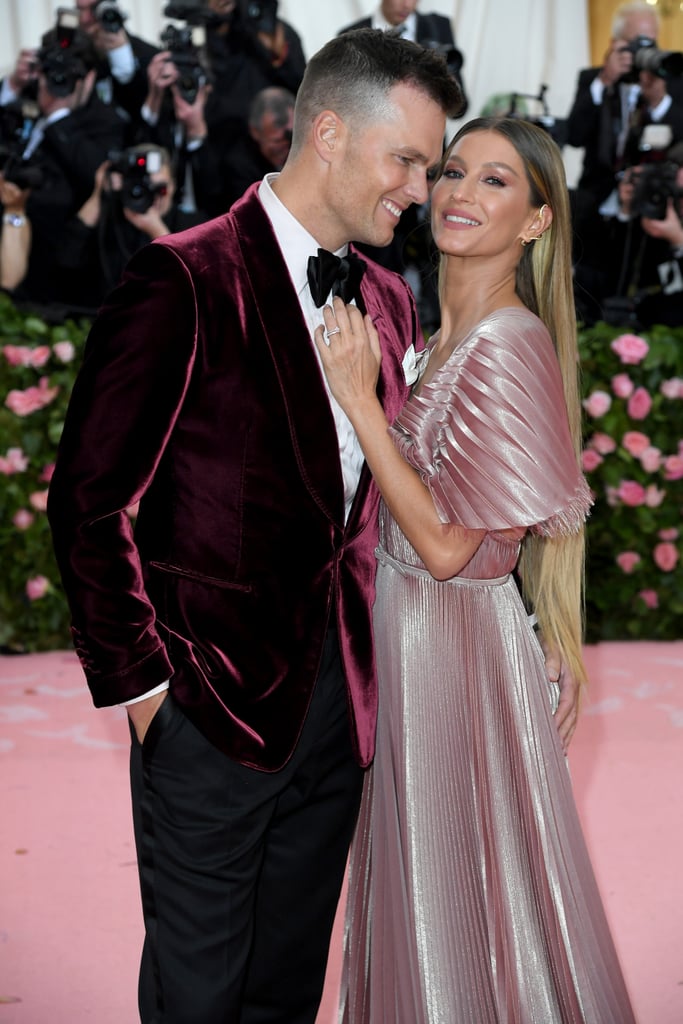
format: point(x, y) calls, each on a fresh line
point(633, 460)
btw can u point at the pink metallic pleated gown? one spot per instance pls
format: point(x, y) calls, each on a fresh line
point(471, 895)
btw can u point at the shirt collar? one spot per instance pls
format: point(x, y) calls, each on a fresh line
point(296, 243)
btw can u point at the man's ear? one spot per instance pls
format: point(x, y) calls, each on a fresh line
point(328, 134)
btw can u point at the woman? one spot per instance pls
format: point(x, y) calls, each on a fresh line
point(471, 895)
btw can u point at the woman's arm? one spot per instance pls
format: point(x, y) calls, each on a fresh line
point(15, 238)
point(351, 362)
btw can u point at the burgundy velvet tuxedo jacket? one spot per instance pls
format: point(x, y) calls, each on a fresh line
point(200, 396)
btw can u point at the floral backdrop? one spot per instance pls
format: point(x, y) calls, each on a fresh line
point(633, 460)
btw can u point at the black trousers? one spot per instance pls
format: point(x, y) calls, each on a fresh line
point(241, 870)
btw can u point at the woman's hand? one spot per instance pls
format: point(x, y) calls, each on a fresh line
point(350, 352)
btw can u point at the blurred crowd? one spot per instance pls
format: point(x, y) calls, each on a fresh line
point(108, 141)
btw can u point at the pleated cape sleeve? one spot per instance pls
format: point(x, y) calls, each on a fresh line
point(489, 433)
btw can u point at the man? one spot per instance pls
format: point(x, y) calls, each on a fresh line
point(642, 250)
point(600, 122)
point(123, 58)
point(606, 98)
point(250, 49)
point(265, 148)
point(67, 143)
point(247, 584)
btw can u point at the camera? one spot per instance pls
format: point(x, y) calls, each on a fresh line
point(136, 167)
point(16, 124)
point(109, 15)
point(453, 57)
point(187, 45)
point(655, 185)
point(646, 57)
point(187, 48)
point(64, 54)
point(259, 15)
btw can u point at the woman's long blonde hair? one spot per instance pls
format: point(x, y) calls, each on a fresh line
point(551, 568)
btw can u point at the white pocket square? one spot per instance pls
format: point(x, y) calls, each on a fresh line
point(410, 366)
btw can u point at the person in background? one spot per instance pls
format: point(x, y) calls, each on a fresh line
point(600, 120)
point(250, 48)
point(265, 148)
point(123, 59)
point(187, 123)
point(641, 256)
point(129, 207)
point(68, 141)
point(471, 894)
point(233, 618)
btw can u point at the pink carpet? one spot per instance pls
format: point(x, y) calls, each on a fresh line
point(70, 928)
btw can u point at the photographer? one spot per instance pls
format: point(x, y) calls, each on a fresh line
point(181, 115)
point(249, 49)
point(637, 269)
point(131, 204)
point(604, 104)
point(61, 146)
point(122, 58)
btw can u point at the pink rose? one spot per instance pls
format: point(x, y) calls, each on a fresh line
point(654, 497)
point(670, 534)
point(17, 355)
point(630, 348)
point(40, 355)
point(639, 404)
point(39, 500)
point(665, 556)
point(673, 467)
point(627, 561)
point(64, 351)
point(631, 493)
point(635, 443)
point(602, 443)
point(22, 519)
point(649, 597)
point(25, 402)
point(622, 385)
point(14, 462)
point(597, 404)
point(651, 460)
point(590, 460)
point(612, 496)
point(48, 470)
point(37, 587)
point(672, 388)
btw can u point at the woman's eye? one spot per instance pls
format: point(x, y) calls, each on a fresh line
point(493, 180)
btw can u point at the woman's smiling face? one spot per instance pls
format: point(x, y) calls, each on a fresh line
point(481, 203)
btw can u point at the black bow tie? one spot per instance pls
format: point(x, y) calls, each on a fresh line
point(339, 275)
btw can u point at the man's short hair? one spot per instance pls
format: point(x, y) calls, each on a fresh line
point(354, 72)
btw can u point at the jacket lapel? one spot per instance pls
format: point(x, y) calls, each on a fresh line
point(285, 333)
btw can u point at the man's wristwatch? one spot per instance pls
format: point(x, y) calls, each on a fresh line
point(15, 220)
